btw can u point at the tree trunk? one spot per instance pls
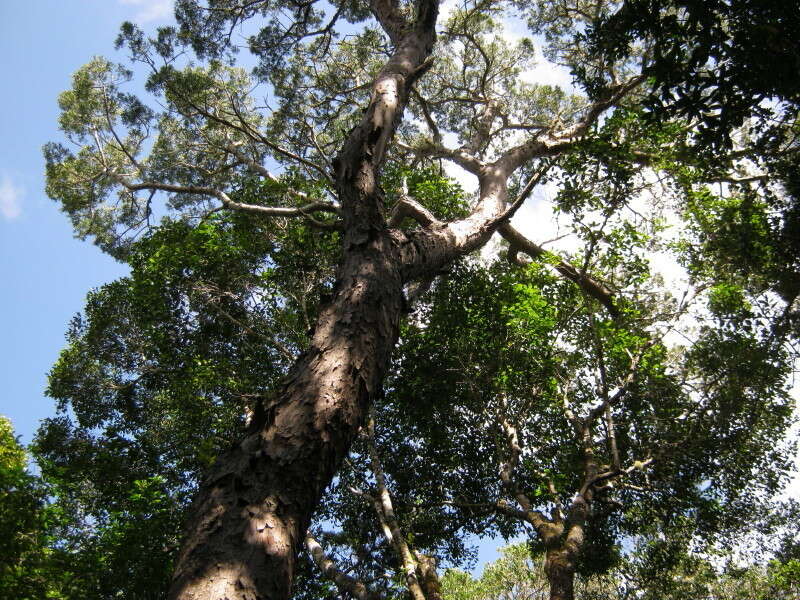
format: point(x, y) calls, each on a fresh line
point(250, 517)
point(251, 514)
point(559, 567)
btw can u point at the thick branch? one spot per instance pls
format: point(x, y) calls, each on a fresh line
point(426, 568)
point(589, 285)
point(387, 14)
point(550, 144)
point(356, 167)
point(408, 207)
point(535, 518)
point(428, 250)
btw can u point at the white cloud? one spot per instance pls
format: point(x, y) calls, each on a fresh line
point(446, 8)
point(10, 197)
point(150, 10)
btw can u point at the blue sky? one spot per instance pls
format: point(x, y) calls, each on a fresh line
point(45, 272)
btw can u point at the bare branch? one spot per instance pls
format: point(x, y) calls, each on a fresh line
point(599, 410)
point(507, 468)
point(613, 473)
point(268, 211)
point(423, 104)
point(386, 515)
point(251, 132)
point(250, 164)
point(550, 144)
point(598, 108)
point(577, 424)
point(612, 438)
point(460, 156)
point(739, 180)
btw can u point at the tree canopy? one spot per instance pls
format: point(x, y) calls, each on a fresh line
point(319, 346)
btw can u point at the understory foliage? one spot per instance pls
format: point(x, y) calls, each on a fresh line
point(616, 396)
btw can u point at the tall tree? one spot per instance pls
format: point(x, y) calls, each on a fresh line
point(337, 96)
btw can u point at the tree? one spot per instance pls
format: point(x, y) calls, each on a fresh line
point(714, 62)
point(517, 575)
point(212, 139)
point(20, 506)
point(28, 568)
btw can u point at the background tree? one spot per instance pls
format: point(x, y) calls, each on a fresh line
point(516, 575)
point(29, 568)
point(577, 432)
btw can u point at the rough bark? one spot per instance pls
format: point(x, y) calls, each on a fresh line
point(252, 511)
point(429, 578)
point(559, 567)
point(563, 551)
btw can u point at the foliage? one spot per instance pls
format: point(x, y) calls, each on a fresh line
point(162, 368)
point(524, 344)
point(21, 501)
point(514, 575)
point(159, 372)
point(715, 60)
point(518, 574)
